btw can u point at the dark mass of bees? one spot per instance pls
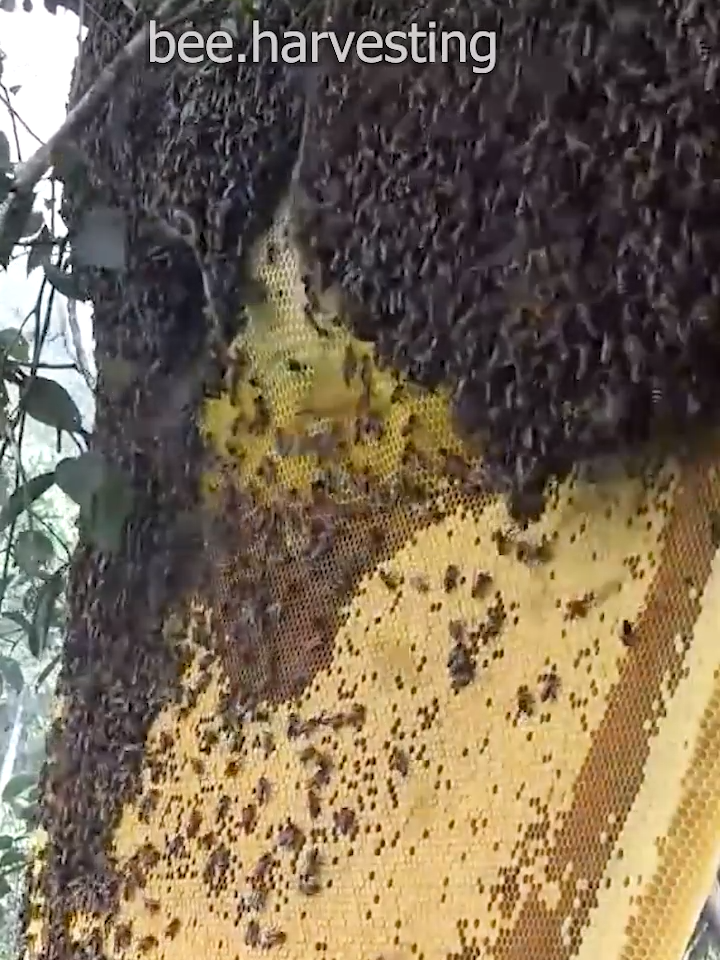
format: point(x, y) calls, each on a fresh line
point(541, 238)
point(308, 690)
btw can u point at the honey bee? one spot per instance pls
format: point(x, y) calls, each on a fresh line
point(272, 937)
point(452, 578)
point(344, 820)
point(248, 818)
point(350, 365)
point(550, 686)
point(356, 715)
point(525, 702)
point(391, 580)
point(399, 761)
point(289, 837)
point(172, 929)
point(262, 419)
point(578, 608)
point(410, 426)
point(286, 443)
point(326, 443)
point(194, 824)
point(123, 936)
point(368, 427)
point(715, 529)
point(627, 633)
point(366, 370)
point(533, 554)
point(460, 666)
point(481, 585)
point(502, 542)
point(272, 254)
point(253, 901)
point(267, 471)
point(261, 869)
point(252, 934)
point(309, 876)
point(263, 791)
point(415, 459)
point(456, 467)
point(313, 803)
point(323, 765)
point(420, 583)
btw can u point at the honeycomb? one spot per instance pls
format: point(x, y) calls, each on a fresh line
point(453, 735)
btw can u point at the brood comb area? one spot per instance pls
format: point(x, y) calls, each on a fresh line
point(501, 743)
point(330, 699)
point(541, 237)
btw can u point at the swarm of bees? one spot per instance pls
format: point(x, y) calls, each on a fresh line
point(537, 370)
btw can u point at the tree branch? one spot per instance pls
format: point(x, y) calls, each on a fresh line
point(29, 173)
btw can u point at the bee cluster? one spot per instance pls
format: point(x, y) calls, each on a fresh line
point(148, 151)
point(556, 265)
point(205, 153)
point(118, 669)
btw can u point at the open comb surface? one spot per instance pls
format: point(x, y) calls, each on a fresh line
point(405, 727)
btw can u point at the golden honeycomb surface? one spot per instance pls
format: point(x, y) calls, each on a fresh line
point(564, 803)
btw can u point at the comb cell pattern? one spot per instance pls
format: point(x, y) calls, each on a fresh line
point(404, 724)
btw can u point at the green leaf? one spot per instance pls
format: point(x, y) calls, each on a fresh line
point(105, 521)
point(6, 183)
point(17, 785)
point(14, 616)
point(18, 207)
point(6, 842)
point(15, 89)
point(68, 284)
point(24, 495)
point(33, 551)
point(5, 161)
point(81, 477)
point(13, 344)
point(44, 611)
point(32, 224)
point(12, 673)
point(41, 250)
point(12, 858)
point(5, 887)
point(28, 812)
point(48, 402)
point(100, 240)
point(47, 670)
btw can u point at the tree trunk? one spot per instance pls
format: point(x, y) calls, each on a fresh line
point(330, 697)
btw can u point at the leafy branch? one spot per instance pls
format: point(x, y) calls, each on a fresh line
point(29, 173)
